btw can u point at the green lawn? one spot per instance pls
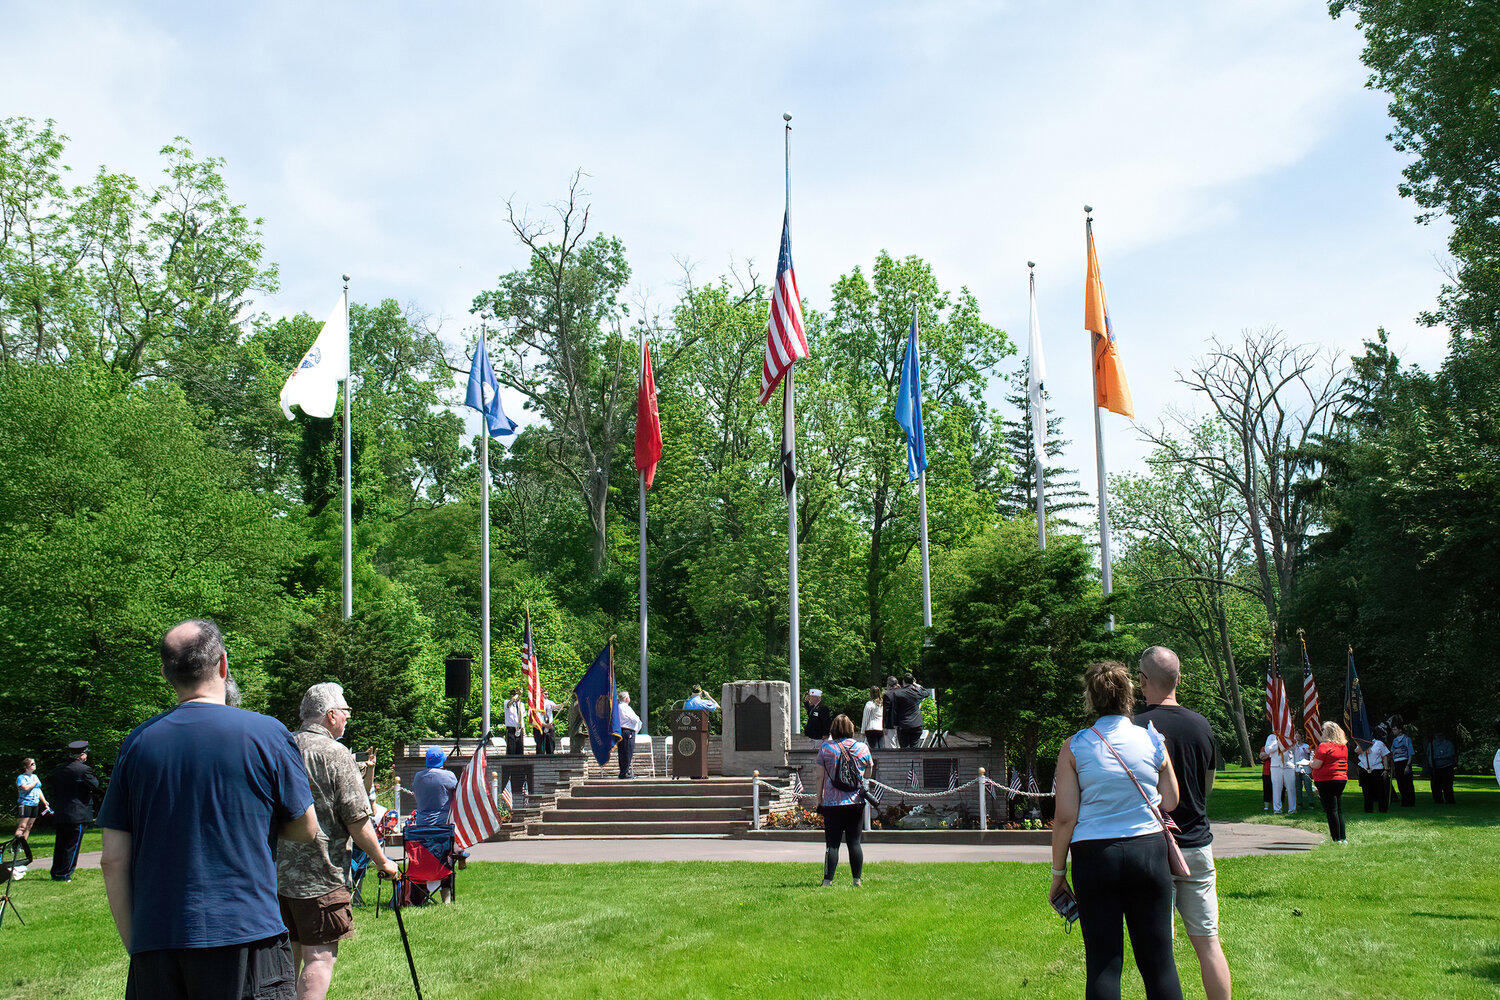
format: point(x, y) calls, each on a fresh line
point(1408, 909)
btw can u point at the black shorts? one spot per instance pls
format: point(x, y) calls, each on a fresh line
point(30, 812)
point(259, 970)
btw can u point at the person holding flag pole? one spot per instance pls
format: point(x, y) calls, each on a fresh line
point(786, 344)
point(314, 386)
point(1110, 389)
point(1036, 370)
point(496, 424)
point(909, 416)
point(647, 454)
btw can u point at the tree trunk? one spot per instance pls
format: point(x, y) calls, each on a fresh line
point(1236, 703)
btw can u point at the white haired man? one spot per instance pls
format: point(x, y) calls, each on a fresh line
point(310, 882)
point(1190, 744)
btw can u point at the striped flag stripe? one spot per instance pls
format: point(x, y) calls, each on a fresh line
point(786, 340)
point(473, 812)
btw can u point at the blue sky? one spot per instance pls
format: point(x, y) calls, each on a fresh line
point(1237, 166)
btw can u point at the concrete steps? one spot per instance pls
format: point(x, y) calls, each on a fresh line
point(609, 808)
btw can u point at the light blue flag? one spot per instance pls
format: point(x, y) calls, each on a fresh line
point(909, 406)
point(480, 376)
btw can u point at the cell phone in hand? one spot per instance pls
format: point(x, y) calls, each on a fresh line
point(1066, 906)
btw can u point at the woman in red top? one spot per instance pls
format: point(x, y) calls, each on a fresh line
point(1330, 773)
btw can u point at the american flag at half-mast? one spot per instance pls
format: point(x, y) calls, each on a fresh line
point(473, 812)
point(1278, 712)
point(786, 341)
point(533, 676)
point(1312, 721)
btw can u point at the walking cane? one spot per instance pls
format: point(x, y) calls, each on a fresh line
point(405, 943)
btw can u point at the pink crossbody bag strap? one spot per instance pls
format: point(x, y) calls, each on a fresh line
point(1175, 859)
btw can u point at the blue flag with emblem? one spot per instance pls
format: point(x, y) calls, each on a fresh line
point(482, 376)
point(1356, 718)
point(596, 702)
point(909, 405)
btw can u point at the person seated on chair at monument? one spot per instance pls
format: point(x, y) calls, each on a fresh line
point(700, 700)
point(817, 716)
point(630, 724)
point(434, 787)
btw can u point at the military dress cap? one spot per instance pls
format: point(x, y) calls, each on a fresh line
point(815, 693)
point(78, 746)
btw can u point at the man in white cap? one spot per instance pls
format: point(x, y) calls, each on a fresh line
point(818, 718)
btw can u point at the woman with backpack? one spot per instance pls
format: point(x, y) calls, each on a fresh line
point(843, 764)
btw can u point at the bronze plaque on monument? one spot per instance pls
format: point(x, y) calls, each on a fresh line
point(752, 724)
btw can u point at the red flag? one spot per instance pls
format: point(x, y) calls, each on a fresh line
point(473, 813)
point(647, 422)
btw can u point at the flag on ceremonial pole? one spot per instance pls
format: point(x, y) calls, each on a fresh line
point(1312, 722)
point(531, 673)
point(314, 383)
point(909, 406)
point(596, 701)
point(647, 421)
point(786, 341)
point(1278, 712)
point(1356, 716)
point(481, 377)
point(473, 812)
point(1111, 391)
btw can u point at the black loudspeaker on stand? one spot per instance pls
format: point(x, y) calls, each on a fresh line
point(456, 676)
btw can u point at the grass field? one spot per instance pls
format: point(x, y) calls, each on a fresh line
point(1408, 909)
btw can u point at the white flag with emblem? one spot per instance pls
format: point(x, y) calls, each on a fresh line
point(314, 384)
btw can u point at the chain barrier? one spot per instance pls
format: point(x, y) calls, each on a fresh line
point(1011, 793)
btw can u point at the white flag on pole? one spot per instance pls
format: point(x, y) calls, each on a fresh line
point(314, 384)
point(1037, 385)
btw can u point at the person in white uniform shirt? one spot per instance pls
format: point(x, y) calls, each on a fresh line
point(1302, 759)
point(630, 724)
point(1283, 775)
point(515, 724)
point(1375, 772)
point(546, 737)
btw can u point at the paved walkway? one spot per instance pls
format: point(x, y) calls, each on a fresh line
point(1231, 840)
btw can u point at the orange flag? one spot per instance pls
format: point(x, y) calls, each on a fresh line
point(1111, 391)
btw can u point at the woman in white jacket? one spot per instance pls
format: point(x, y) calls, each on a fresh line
point(874, 721)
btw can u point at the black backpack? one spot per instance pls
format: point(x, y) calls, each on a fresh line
point(846, 775)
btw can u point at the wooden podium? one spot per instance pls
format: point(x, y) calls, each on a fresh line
point(689, 743)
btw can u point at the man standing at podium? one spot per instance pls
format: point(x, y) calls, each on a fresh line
point(700, 700)
point(630, 724)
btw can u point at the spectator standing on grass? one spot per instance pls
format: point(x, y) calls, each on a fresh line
point(316, 904)
point(1190, 745)
point(1442, 761)
point(30, 804)
point(873, 723)
point(73, 789)
point(1330, 775)
point(1403, 756)
point(199, 797)
point(1107, 820)
point(843, 809)
point(1375, 773)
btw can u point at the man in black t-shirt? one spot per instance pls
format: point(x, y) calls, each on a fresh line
point(906, 703)
point(1190, 744)
point(818, 719)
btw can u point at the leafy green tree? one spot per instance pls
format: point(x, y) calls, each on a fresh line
point(1440, 62)
point(1018, 628)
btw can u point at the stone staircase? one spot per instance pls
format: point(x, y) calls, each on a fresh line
point(610, 808)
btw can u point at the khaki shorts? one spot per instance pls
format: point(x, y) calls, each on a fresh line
point(319, 920)
point(1196, 894)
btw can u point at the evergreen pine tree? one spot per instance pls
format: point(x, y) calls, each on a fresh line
point(1064, 492)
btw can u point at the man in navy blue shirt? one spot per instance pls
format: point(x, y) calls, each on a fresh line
point(199, 796)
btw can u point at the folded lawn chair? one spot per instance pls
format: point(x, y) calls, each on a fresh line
point(429, 865)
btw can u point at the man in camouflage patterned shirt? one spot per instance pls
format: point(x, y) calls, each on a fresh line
point(310, 878)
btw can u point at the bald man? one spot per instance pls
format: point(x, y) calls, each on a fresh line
point(1190, 744)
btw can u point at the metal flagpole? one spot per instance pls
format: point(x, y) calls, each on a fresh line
point(922, 506)
point(348, 497)
point(484, 560)
point(641, 479)
point(791, 497)
point(1038, 433)
point(1104, 554)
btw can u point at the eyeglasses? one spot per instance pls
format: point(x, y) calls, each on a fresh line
point(343, 708)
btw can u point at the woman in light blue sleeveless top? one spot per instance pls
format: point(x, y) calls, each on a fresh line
point(1120, 871)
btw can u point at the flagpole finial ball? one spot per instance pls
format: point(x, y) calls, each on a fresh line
point(1031, 263)
point(786, 116)
point(1088, 208)
point(346, 277)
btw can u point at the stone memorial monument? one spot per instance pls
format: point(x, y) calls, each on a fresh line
point(757, 726)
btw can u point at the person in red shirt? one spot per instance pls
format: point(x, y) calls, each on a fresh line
point(1330, 774)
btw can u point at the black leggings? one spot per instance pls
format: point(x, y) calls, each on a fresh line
point(1126, 878)
point(1332, 795)
point(842, 823)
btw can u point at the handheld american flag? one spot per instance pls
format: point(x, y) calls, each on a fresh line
point(473, 812)
point(1312, 721)
point(533, 676)
point(786, 341)
point(1278, 712)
